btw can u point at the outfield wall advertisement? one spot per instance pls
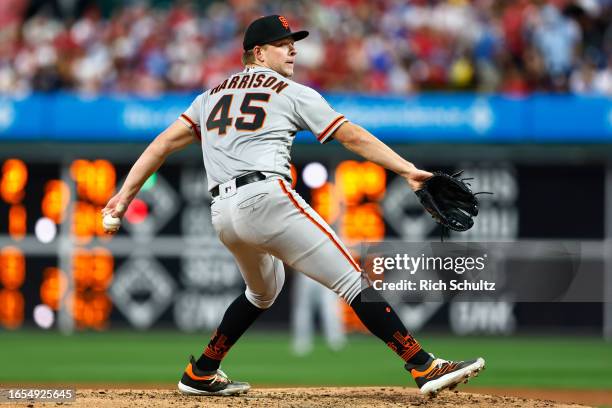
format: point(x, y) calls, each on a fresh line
point(464, 118)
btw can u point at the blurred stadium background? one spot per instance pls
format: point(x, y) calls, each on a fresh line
point(516, 93)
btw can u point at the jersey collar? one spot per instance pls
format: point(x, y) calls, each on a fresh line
point(258, 69)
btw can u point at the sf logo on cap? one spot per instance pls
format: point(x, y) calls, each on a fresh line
point(284, 22)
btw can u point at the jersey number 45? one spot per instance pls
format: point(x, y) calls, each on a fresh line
point(220, 119)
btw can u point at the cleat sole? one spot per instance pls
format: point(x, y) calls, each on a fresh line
point(452, 380)
point(187, 390)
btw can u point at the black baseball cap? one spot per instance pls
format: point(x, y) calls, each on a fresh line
point(268, 29)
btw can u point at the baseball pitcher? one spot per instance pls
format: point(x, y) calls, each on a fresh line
point(246, 126)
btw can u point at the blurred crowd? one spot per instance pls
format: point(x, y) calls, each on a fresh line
point(375, 46)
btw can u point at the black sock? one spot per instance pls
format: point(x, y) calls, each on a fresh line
point(380, 319)
point(237, 319)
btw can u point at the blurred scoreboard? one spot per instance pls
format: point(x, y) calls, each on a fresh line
point(166, 265)
point(166, 262)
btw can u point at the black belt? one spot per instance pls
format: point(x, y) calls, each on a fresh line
point(241, 181)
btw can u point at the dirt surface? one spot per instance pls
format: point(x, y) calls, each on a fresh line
point(352, 397)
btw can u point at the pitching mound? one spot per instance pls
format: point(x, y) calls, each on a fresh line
point(302, 397)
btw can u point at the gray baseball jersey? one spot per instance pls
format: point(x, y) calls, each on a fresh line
point(248, 123)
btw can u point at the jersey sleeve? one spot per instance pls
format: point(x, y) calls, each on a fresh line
point(316, 115)
point(191, 117)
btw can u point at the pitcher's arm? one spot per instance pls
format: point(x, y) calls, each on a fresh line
point(176, 137)
point(360, 141)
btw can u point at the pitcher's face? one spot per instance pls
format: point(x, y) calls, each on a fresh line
point(280, 56)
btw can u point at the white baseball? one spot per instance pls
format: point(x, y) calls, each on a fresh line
point(111, 223)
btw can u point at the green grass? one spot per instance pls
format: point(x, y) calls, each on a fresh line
point(265, 359)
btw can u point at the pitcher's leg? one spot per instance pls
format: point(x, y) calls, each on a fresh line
point(310, 245)
point(237, 319)
point(264, 276)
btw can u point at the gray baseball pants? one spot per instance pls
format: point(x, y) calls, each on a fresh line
point(266, 223)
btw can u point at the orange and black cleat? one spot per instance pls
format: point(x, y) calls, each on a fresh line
point(197, 382)
point(438, 374)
